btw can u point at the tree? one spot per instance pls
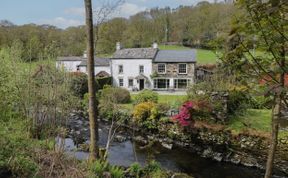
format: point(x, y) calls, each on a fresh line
point(93, 111)
point(257, 49)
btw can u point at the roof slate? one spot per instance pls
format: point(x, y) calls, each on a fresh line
point(97, 62)
point(135, 53)
point(176, 56)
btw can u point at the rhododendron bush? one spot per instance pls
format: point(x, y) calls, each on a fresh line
point(191, 110)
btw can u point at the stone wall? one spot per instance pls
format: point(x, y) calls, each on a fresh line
point(172, 70)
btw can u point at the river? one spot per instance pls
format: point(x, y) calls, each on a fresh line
point(177, 159)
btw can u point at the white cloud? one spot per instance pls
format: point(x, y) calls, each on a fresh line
point(62, 22)
point(78, 11)
point(190, 2)
point(128, 9)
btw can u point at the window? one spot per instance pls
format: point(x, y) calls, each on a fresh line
point(121, 82)
point(141, 69)
point(130, 83)
point(182, 69)
point(161, 83)
point(120, 69)
point(161, 68)
point(181, 83)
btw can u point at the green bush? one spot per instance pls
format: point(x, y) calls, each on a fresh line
point(135, 170)
point(99, 167)
point(102, 82)
point(261, 102)
point(146, 96)
point(237, 101)
point(116, 172)
point(116, 95)
point(79, 83)
point(163, 108)
point(152, 167)
point(146, 115)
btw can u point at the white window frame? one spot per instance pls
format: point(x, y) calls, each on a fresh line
point(176, 84)
point(164, 68)
point(179, 68)
point(141, 71)
point(119, 80)
point(120, 72)
point(167, 83)
point(129, 79)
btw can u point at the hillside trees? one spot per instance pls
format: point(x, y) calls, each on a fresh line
point(191, 25)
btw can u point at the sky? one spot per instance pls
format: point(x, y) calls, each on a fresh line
point(65, 13)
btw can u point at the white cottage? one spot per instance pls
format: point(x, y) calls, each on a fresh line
point(151, 68)
point(79, 64)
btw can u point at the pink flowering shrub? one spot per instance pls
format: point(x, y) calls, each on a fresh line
point(184, 118)
point(190, 111)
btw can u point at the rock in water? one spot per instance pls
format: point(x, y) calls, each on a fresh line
point(167, 145)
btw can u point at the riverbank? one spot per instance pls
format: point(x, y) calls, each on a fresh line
point(205, 147)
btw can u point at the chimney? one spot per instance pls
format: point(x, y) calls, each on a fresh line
point(155, 45)
point(118, 46)
point(85, 54)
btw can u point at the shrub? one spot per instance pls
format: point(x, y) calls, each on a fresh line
point(237, 101)
point(102, 82)
point(79, 83)
point(184, 118)
point(146, 114)
point(146, 96)
point(163, 108)
point(192, 110)
point(135, 170)
point(99, 167)
point(116, 95)
point(116, 172)
point(151, 167)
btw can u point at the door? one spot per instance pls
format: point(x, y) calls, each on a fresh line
point(141, 84)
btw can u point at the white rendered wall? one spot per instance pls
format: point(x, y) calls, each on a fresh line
point(69, 66)
point(131, 70)
point(97, 69)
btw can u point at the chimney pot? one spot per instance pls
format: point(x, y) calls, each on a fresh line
point(118, 46)
point(155, 45)
point(85, 54)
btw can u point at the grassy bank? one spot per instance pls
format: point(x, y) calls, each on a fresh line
point(203, 56)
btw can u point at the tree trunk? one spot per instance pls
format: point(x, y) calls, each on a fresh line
point(274, 138)
point(91, 83)
point(276, 115)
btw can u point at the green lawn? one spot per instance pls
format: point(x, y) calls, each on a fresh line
point(203, 56)
point(206, 56)
point(172, 100)
point(172, 47)
point(253, 119)
point(257, 119)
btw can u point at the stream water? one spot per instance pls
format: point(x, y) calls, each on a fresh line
point(176, 159)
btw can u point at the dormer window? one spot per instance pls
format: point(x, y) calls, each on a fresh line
point(161, 68)
point(182, 68)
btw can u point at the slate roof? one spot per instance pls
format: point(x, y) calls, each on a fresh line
point(135, 53)
point(176, 56)
point(71, 58)
point(97, 62)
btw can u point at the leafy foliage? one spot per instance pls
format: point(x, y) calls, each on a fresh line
point(146, 96)
point(146, 114)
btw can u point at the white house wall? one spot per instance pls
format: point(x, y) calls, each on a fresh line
point(97, 69)
point(69, 66)
point(130, 71)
